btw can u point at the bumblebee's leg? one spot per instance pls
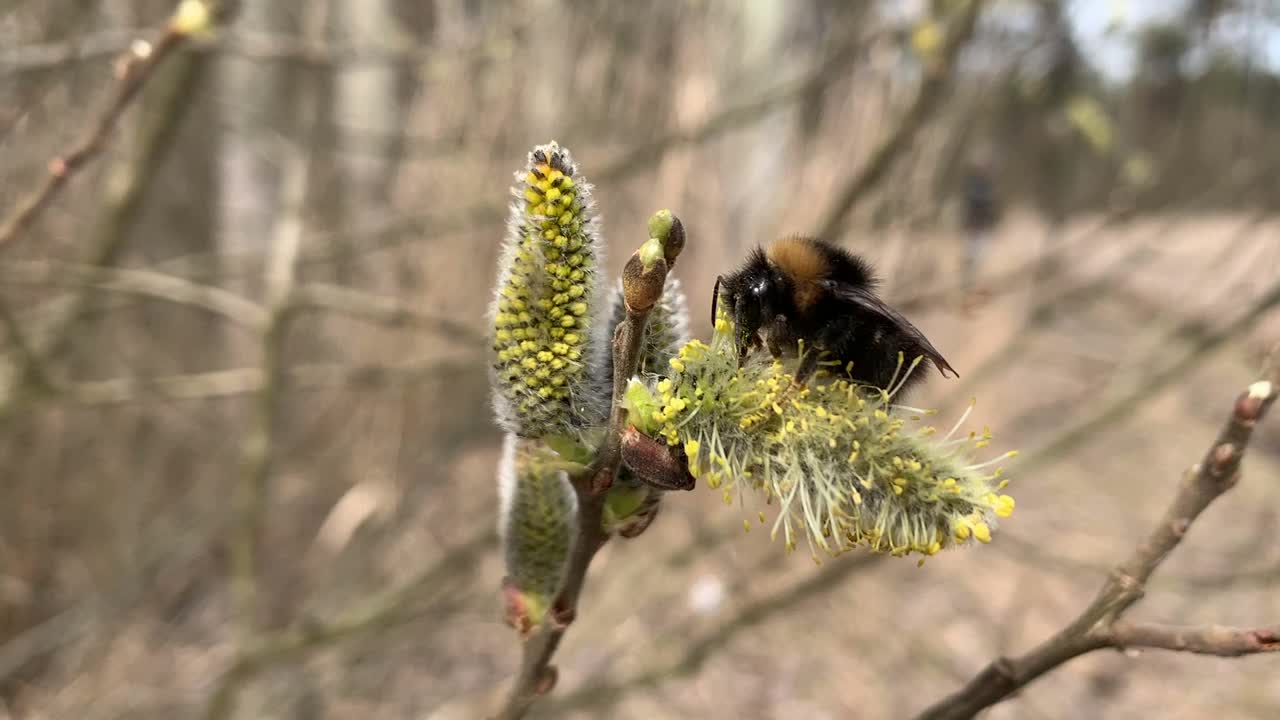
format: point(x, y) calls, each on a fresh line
point(775, 348)
point(778, 336)
point(808, 366)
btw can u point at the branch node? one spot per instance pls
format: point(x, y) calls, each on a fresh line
point(1223, 455)
point(561, 617)
point(547, 682)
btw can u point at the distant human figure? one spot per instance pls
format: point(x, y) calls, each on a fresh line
point(981, 213)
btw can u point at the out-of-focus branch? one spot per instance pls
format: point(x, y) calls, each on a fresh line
point(132, 74)
point(387, 610)
point(1201, 640)
point(251, 492)
point(248, 380)
point(126, 187)
point(642, 286)
point(703, 647)
point(735, 116)
point(932, 88)
point(1100, 626)
point(314, 297)
point(1125, 405)
point(144, 283)
point(381, 310)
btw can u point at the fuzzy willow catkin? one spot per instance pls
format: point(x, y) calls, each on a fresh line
point(545, 336)
point(843, 467)
point(537, 512)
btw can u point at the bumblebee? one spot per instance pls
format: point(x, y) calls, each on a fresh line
point(802, 289)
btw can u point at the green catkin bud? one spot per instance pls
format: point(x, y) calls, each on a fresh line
point(545, 333)
point(633, 503)
point(537, 511)
point(843, 468)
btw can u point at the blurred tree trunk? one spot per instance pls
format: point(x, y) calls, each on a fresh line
point(754, 158)
point(372, 100)
point(260, 111)
point(179, 208)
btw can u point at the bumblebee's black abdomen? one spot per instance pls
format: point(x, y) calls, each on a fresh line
point(871, 345)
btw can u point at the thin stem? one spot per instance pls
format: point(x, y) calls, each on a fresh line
point(138, 65)
point(1099, 625)
point(927, 98)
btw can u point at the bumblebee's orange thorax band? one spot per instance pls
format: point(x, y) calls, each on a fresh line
point(804, 264)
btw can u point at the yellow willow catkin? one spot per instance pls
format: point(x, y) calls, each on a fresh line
point(842, 466)
point(536, 522)
point(545, 335)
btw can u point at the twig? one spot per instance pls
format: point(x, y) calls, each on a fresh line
point(251, 492)
point(1202, 640)
point(1128, 403)
point(131, 75)
point(928, 96)
point(126, 188)
point(141, 282)
point(1100, 626)
point(537, 676)
point(233, 382)
point(385, 611)
point(381, 310)
point(704, 647)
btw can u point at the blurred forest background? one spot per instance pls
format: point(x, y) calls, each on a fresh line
point(255, 323)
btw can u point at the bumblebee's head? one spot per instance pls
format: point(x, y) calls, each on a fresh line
point(749, 297)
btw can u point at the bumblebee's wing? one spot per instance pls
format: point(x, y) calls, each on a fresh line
point(865, 300)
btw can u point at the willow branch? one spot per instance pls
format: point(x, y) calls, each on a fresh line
point(1201, 640)
point(1125, 405)
point(381, 310)
point(937, 75)
point(126, 188)
point(384, 611)
point(251, 492)
point(140, 282)
point(1100, 625)
point(642, 286)
point(132, 73)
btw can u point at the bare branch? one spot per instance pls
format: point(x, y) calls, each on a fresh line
point(251, 492)
point(140, 282)
point(126, 187)
point(1202, 640)
point(381, 310)
point(132, 73)
point(928, 96)
point(387, 610)
point(1099, 625)
point(234, 382)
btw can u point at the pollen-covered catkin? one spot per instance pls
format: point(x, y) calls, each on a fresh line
point(545, 335)
point(840, 462)
point(536, 522)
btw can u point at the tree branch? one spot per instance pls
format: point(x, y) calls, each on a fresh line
point(928, 96)
point(140, 282)
point(386, 610)
point(251, 493)
point(132, 73)
point(1099, 625)
point(537, 676)
point(1202, 640)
